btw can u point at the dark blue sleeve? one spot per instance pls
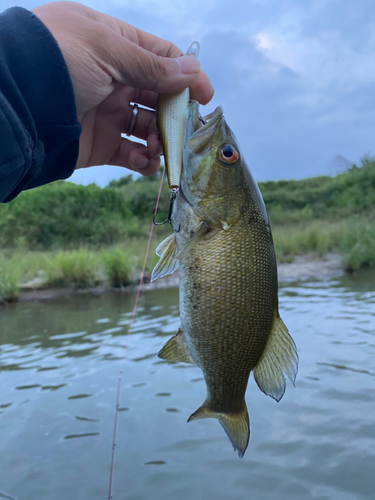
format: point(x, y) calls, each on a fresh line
point(39, 131)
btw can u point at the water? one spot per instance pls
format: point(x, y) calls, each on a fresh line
point(59, 367)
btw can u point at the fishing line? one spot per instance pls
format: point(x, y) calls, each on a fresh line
point(115, 423)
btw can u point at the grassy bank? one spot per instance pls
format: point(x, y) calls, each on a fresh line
point(78, 236)
point(116, 266)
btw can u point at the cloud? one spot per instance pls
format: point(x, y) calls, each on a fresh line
point(296, 79)
point(322, 60)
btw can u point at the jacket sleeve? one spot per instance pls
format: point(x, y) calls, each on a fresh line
point(39, 131)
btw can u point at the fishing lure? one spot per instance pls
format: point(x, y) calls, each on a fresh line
point(171, 116)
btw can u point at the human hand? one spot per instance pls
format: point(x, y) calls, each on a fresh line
point(112, 64)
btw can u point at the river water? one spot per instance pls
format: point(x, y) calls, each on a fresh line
point(59, 365)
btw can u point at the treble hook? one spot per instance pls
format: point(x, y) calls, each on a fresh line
point(172, 198)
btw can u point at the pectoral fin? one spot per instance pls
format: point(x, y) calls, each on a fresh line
point(167, 263)
point(176, 350)
point(278, 361)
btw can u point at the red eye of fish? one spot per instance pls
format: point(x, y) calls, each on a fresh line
point(228, 153)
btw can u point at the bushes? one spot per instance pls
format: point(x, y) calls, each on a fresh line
point(65, 214)
point(322, 197)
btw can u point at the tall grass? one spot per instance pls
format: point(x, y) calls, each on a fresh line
point(118, 266)
point(353, 238)
point(358, 244)
point(313, 236)
point(75, 269)
point(9, 278)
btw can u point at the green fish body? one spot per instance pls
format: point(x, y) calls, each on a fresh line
point(222, 244)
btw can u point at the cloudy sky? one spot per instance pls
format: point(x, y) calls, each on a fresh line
point(296, 78)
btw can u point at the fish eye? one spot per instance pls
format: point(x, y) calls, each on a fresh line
point(228, 154)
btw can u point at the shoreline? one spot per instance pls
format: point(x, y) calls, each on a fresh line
point(303, 267)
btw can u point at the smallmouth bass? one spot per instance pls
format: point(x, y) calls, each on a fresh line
point(223, 247)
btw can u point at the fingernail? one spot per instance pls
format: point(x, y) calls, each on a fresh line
point(188, 65)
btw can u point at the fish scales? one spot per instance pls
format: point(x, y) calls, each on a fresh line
point(212, 305)
point(222, 244)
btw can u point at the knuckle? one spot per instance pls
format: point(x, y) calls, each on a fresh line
point(159, 70)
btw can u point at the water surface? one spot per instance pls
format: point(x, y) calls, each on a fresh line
point(59, 365)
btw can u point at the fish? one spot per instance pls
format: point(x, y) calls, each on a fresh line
point(228, 288)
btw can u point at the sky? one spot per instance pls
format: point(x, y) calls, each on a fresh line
point(296, 79)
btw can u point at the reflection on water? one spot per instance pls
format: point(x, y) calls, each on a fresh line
point(59, 365)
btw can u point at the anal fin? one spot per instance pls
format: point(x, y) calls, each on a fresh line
point(278, 361)
point(176, 350)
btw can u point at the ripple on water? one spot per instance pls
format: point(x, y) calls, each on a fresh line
point(25, 387)
point(83, 435)
point(52, 387)
point(80, 396)
point(87, 419)
point(64, 336)
point(317, 443)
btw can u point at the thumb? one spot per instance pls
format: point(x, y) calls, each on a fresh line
point(142, 69)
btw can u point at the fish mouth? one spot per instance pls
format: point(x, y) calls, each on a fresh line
point(199, 132)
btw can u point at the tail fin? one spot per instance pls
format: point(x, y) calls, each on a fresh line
point(236, 425)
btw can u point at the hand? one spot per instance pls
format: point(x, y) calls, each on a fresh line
point(111, 64)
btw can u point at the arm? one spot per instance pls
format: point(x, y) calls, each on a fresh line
point(38, 121)
point(110, 64)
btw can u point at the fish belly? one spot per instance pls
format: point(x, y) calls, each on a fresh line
point(228, 289)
